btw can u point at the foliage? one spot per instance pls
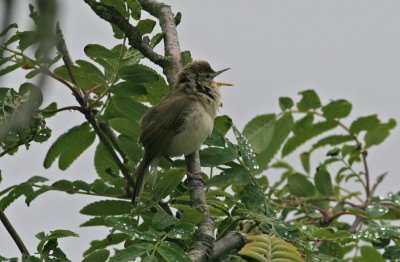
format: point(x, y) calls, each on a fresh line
point(296, 217)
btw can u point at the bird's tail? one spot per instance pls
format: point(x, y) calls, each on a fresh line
point(145, 169)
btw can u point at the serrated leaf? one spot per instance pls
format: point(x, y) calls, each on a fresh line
point(161, 220)
point(309, 100)
point(285, 103)
point(26, 39)
point(215, 156)
point(283, 127)
point(305, 161)
point(182, 231)
point(238, 174)
point(97, 256)
point(69, 146)
point(309, 132)
point(126, 89)
point(15, 192)
point(259, 131)
point(378, 134)
point(11, 68)
point(252, 197)
point(337, 109)
point(223, 124)
point(172, 252)
point(145, 26)
point(8, 28)
point(330, 233)
point(370, 254)
point(138, 74)
point(135, 8)
point(167, 182)
point(126, 226)
point(246, 153)
point(129, 108)
point(323, 182)
point(107, 208)
point(269, 248)
point(332, 140)
point(125, 127)
point(364, 123)
point(111, 239)
point(300, 186)
point(130, 253)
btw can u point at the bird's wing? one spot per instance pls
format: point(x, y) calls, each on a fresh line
point(162, 122)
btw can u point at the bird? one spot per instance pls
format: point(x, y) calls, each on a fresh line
point(181, 121)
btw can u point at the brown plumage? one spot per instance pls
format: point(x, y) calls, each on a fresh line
point(181, 121)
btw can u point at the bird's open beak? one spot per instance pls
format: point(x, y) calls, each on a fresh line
point(222, 83)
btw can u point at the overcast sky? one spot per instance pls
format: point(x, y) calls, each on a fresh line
point(342, 49)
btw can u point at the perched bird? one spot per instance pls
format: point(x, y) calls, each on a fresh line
point(181, 121)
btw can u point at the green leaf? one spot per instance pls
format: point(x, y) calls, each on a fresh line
point(125, 126)
point(126, 226)
point(126, 89)
point(135, 8)
point(131, 148)
point(138, 74)
point(129, 108)
point(238, 174)
point(186, 57)
point(332, 140)
point(392, 252)
point(97, 256)
point(285, 103)
point(182, 230)
point(26, 39)
point(378, 134)
point(337, 109)
point(63, 185)
point(172, 252)
point(167, 182)
point(283, 127)
point(259, 131)
point(215, 156)
point(161, 220)
point(111, 239)
point(130, 253)
point(305, 161)
point(330, 233)
point(323, 182)
point(300, 186)
point(145, 26)
point(69, 146)
point(252, 197)
point(107, 208)
point(11, 68)
point(104, 163)
point(310, 132)
point(5, 30)
point(370, 254)
point(15, 192)
point(223, 124)
point(364, 123)
point(309, 100)
point(245, 150)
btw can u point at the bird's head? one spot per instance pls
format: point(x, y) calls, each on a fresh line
point(200, 73)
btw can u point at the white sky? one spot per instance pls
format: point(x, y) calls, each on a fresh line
point(342, 49)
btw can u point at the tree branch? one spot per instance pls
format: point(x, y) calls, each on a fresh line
point(231, 241)
point(111, 15)
point(17, 239)
point(62, 48)
point(203, 242)
point(172, 49)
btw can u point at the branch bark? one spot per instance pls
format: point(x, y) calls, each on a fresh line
point(13, 233)
point(231, 241)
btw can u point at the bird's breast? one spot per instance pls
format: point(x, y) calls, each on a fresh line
point(197, 127)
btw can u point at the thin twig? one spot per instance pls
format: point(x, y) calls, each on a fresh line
point(13, 233)
point(67, 108)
